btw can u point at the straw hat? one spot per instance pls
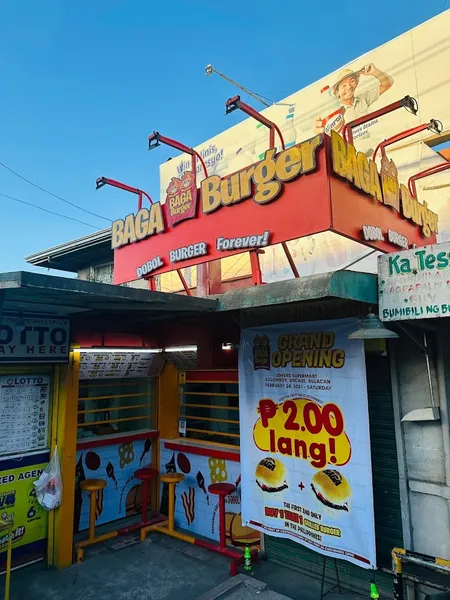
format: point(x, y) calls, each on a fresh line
point(343, 75)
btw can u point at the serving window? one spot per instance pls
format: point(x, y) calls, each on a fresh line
point(115, 406)
point(209, 402)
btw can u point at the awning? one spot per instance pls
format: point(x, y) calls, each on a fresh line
point(342, 285)
point(93, 304)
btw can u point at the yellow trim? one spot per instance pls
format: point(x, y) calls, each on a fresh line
point(156, 449)
point(168, 402)
point(84, 383)
point(96, 410)
point(443, 562)
point(56, 384)
point(207, 444)
point(114, 396)
point(89, 423)
point(66, 437)
point(211, 419)
point(203, 431)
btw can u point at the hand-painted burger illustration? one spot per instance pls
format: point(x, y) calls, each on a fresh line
point(174, 186)
point(187, 180)
point(332, 489)
point(271, 475)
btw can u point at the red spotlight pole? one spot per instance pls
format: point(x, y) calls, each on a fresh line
point(236, 103)
point(101, 181)
point(154, 140)
point(407, 102)
point(231, 105)
point(434, 125)
point(426, 173)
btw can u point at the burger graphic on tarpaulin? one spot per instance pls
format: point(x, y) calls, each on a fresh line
point(271, 475)
point(332, 489)
point(261, 352)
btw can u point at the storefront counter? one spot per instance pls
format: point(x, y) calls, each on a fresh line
point(114, 458)
point(196, 510)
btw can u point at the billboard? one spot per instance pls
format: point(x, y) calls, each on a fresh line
point(411, 64)
point(305, 443)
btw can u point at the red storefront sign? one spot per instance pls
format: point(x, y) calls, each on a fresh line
point(318, 185)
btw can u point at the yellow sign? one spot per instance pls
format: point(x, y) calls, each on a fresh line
point(362, 172)
point(18, 505)
point(302, 428)
point(134, 228)
point(266, 175)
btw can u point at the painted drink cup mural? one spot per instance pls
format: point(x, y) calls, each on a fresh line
point(305, 445)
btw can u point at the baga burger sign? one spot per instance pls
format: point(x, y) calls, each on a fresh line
point(320, 184)
point(261, 182)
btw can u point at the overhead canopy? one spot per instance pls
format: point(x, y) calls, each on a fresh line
point(93, 303)
point(342, 285)
point(76, 255)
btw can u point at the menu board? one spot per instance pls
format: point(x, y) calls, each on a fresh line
point(119, 365)
point(24, 407)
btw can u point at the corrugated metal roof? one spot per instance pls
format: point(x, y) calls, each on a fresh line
point(76, 254)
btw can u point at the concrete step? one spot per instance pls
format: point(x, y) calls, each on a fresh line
point(242, 587)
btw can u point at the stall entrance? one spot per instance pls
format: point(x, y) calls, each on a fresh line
point(116, 434)
point(388, 522)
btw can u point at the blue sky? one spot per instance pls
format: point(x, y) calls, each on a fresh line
point(82, 84)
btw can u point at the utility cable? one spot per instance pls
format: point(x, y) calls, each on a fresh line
point(54, 195)
point(50, 212)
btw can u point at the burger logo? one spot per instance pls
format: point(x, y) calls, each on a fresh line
point(271, 475)
point(261, 353)
point(332, 489)
point(389, 183)
point(181, 199)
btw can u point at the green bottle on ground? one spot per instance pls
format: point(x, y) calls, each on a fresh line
point(247, 559)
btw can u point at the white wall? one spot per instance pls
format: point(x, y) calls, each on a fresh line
point(423, 447)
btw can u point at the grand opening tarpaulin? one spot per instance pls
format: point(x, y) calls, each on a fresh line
point(305, 444)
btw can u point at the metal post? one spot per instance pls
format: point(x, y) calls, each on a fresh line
point(398, 576)
point(171, 507)
point(8, 566)
point(256, 267)
point(92, 495)
point(222, 523)
point(184, 283)
point(291, 260)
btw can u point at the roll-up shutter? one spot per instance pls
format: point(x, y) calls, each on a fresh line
point(388, 524)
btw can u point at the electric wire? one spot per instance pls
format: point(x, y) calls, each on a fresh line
point(54, 195)
point(50, 212)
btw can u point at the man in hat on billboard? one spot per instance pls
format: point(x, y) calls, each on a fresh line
point(355, 105)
